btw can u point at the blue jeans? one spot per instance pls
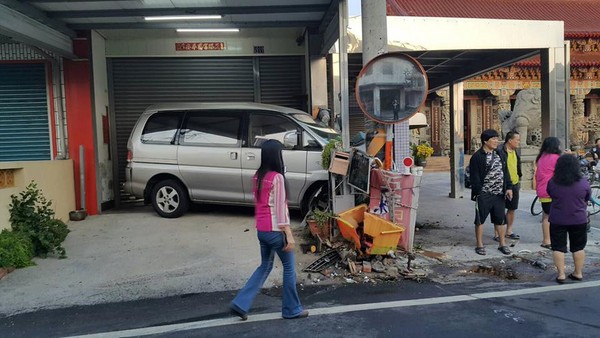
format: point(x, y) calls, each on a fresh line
point(271, 243)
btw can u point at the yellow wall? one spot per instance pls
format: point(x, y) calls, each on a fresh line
point(54, 179)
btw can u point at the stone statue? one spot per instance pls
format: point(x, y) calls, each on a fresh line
point(525, 118)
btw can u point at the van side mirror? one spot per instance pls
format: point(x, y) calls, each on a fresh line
point(290, 140)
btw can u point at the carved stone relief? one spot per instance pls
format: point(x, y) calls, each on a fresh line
point(576, 137)
point(445, 121)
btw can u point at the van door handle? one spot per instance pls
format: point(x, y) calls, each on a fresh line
point(233, 155)
point(250, 157)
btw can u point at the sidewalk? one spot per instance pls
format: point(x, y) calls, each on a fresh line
point(134, 254)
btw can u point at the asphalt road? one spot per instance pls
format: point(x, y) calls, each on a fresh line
point(490, 308)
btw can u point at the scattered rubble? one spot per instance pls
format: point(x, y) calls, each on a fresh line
point(351, 266)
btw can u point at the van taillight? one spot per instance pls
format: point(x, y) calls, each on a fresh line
point(129, 155)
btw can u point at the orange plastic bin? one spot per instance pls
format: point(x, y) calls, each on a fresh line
point(386, 234)
point(348, 221)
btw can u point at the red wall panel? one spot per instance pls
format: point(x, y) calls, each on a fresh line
point(78, 94)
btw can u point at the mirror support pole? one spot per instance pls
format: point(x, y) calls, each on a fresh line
point(374, 27)
point(457, 143)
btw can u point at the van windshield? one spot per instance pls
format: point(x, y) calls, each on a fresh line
point(324, 132)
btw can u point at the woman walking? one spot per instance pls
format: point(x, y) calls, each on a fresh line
point(545, 163)
point(568, 215)
point(272, 219)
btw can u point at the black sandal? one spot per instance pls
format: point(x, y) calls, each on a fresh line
point(480, 250)
point(504, 249)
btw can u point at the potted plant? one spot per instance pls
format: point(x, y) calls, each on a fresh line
point(421, 152)
point(319, 223)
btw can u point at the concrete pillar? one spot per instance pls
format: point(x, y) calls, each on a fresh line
point(318, 81)
point(554, 72)
point(343, 72)
point(457, 144)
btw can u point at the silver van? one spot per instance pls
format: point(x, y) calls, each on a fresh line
point(208, 152)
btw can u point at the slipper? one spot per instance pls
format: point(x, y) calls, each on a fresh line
point(513, 236)
point(546, 246)
point(560, 281)
point(496, 238)
point(504, 249)
point(480, 250)
point(575, 278)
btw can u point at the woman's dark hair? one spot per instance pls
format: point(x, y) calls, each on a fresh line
point(551, 145)
point(567, 170)
point(271, 159)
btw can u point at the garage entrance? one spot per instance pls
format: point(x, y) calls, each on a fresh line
point(136, 83)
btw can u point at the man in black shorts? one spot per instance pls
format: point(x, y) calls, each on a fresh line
point(491, 185)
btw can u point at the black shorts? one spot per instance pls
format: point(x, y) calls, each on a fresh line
point(513, 204)
point(546, 207)
point(577, 237)
point(488, 204)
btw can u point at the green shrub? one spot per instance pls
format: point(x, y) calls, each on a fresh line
point(31, 214)
point(16, 250)
point(331, 146)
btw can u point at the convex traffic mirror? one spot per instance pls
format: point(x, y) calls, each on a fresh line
point(391, 88)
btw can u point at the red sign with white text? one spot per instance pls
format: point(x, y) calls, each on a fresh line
point(194, 46)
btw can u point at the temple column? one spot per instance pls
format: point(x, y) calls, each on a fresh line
point(577, 130)
point(501, 104)
point(444, 121)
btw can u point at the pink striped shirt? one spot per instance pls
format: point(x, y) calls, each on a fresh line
point(271, 210)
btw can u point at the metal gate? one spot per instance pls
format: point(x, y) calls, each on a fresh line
point(24, 127)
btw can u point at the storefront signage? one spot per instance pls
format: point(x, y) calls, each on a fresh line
point(193, 46)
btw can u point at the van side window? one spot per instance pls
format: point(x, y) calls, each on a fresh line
point(161, 128)
point(309, 142)
point(205, 129)
point(267, 127)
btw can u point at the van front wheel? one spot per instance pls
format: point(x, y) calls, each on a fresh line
point(169, 199)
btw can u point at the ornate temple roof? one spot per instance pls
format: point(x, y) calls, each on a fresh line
point(581, 19)
point(580, 16)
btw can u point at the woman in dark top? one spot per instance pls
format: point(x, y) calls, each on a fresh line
point(568, 215)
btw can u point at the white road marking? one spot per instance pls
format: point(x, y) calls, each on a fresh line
point(338, 309)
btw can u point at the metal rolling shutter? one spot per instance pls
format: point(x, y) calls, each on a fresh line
point(137, 83)
point(24, 129)
point(281, 81)
point(140, 82)
point(357, 118)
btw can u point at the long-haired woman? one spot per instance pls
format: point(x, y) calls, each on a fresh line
point(272, 219)
point(545, 163)
point(568, 215)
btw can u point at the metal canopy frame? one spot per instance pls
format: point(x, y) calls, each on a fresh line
point(447, 57)
point(62, 18)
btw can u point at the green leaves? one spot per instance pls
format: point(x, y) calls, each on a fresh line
point(16, 250)
point(32, 215)
point(329, 147)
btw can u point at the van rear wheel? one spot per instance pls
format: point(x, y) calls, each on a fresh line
point(169, 199)
point(318, 198)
